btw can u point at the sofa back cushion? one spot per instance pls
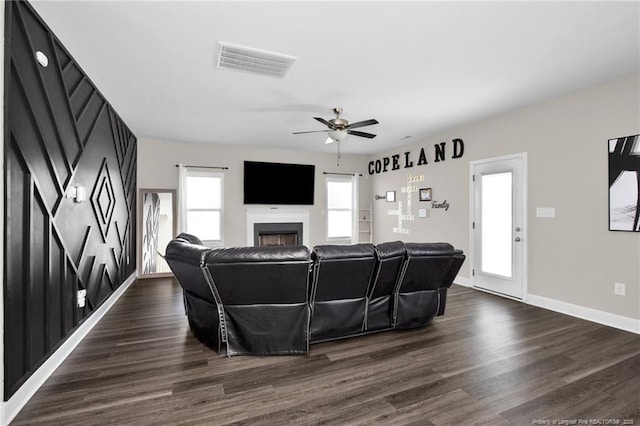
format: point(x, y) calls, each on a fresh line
point(260, 275)
point(341, 276)
point(390, 258)
point(427, 266)
point(342, 272)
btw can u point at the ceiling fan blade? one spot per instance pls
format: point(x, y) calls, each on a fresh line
point(325, 122)
point(311, 131)
point(362, 134)
point(362, 123)
point(328, 141)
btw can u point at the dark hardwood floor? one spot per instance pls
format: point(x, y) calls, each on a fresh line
point(488, 361)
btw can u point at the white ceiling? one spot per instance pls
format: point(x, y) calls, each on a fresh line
point(417, 67)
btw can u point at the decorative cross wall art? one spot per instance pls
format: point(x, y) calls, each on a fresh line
point(400, 212)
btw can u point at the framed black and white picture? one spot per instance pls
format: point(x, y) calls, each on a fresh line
point(425, 194)
point(624, 184)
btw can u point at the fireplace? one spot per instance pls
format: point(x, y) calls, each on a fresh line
point(279, 225)
point(277, 234)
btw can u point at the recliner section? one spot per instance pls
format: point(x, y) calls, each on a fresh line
point(263, 292)
point(278, 300)
point(341, 276)
point(417, 298)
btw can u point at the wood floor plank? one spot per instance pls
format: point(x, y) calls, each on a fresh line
point(580, 399)
point(488, 361)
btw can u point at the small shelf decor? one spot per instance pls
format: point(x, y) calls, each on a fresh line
point(365, 230)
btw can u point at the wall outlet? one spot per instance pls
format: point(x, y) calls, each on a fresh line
point(619, 289)
point(548, 212)
point(81, 298)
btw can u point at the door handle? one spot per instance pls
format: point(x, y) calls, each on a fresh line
point(517, 240)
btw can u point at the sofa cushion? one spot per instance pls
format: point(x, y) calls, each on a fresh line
point(326, 252)
point(429, 249)
point(391, 249)
point(342, 272)
point(389, 260)
point(260, 275)
point(258, 254)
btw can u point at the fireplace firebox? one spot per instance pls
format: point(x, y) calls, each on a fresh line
point(277, 234)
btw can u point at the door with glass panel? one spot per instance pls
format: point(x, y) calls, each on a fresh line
point(498, 225)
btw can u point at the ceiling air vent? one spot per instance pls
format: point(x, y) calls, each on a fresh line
point(252, 60)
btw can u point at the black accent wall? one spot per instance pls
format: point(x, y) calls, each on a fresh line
point(60, 132)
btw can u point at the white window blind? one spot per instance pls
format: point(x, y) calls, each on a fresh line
point(203, 205)
point(340, 208)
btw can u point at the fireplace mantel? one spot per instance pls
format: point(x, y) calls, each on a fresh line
point(277, 215)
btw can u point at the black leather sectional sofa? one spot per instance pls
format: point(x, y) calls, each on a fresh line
point(278, 300)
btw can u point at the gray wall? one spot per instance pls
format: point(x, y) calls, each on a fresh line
point(156, 169)
point(573, 258)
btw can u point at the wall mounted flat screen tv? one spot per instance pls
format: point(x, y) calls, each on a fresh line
point(278, 183)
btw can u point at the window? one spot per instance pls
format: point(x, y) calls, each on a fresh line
point(340, 194)
point(203, 216)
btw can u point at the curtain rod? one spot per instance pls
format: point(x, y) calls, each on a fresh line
point(204, 167)
point(342, 174)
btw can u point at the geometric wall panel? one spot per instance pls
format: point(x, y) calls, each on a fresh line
point(103, 199)
point(59, 132)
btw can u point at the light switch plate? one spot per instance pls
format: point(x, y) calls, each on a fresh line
point(422, 212)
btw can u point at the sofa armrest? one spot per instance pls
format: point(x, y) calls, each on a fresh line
point(189, 238)
point(183, 251)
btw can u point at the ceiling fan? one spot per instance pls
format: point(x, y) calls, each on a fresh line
point(339, 128)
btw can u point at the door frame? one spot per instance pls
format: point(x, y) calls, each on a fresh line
point(525, 232)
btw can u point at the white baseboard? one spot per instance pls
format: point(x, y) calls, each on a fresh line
point(582, 312)
point(589, 314)
point(463, 281)
point(11, 408)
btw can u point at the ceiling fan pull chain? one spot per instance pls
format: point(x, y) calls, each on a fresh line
point(338, 144)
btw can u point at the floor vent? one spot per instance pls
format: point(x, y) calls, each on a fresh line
point(253, 60)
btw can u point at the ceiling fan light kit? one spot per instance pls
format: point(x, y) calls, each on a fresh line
point(337, 135)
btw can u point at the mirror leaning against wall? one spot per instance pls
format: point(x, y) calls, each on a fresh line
point(157, 226)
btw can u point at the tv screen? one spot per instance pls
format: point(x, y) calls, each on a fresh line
point(278, 183)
